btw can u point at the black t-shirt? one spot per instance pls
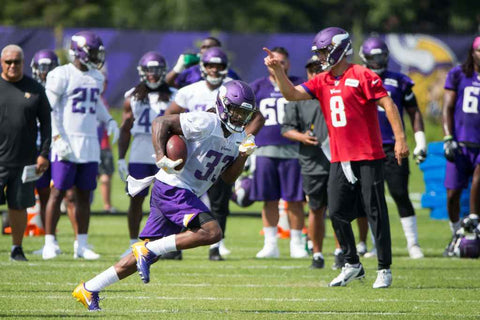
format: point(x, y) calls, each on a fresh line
point(22, 103)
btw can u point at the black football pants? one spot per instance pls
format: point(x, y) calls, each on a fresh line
point(346, 200)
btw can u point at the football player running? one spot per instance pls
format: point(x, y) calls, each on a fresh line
point(74, 94)
point(349, 95)
point(143, 103)
point(461, 125)
point(197, 97)
point(217, 149)
point(374, 54)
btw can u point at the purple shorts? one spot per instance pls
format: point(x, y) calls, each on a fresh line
point(140, 171)
point(66, 174)
point(171, 210)
point(276, 178)
point(45, 179)
point(457, 173)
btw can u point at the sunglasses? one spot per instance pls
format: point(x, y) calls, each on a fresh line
point(9, 62)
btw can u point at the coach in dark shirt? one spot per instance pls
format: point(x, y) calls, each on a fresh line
point(22, 103)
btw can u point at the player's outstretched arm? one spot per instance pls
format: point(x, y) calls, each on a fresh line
point(289, 91)
point(162, 128)
point(391, 111)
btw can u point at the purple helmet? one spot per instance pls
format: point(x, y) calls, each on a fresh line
point(214, 55)
point(235, 105)
point(469, 246)
point(42, 63)
point(337, 44)
point(87, 47)
point(241, 192)
point(152, 63)
point(374, 53)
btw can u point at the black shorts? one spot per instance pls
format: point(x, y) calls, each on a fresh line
point(106, 162)
point(200, 219)
point(315, 188)
point(13, 191)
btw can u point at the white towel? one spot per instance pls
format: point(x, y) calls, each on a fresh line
point(326, 148)
point(134, 186)
point(348, 172)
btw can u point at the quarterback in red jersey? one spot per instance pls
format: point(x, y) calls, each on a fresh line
point(349, 95)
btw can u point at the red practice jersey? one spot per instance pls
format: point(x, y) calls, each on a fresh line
point(348, 103)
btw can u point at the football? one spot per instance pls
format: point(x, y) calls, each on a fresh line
point(176, 148)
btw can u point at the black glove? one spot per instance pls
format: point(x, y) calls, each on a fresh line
point(450, 148)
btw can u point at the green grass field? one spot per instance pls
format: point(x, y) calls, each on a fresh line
point(241, 287)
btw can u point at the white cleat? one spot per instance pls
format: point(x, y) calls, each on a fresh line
point(298, 251)
point(86, 253)
point(223, 250)
point(49, 252)
point(384, 279)
point(40, 251)
point(268, 251)
point(348, 274)
point(415, 252)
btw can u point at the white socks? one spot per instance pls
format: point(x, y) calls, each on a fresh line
point(133, 241)
point(270, 235)
point(296, 237)
point(163, 245)
point(82, 240)
point(409, 225)
point(49, 240)
point(454, 226)
point(215, 245)
point(103, 280)
point(317, 255)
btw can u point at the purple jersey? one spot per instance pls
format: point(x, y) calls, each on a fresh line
point(193, 74)
point(398, 87)
point(466, 116)
point(272, 106)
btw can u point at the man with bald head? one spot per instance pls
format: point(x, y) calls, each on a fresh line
point(22, 103)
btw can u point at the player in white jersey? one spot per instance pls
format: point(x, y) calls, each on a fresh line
point(217, 148)
point(199, 96)
point(74, 94)
point(143, 103)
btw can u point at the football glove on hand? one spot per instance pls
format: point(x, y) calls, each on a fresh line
point(420, 151)
point(180, 65)
point(62, 148)
point(169, 165)
point(113, 131)
point(248, 145)
point(450, 148)
point(122, 169)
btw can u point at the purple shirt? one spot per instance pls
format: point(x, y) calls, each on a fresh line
point(193, 74)
point(466, 116)
point(271, 104)
point(398, 87)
